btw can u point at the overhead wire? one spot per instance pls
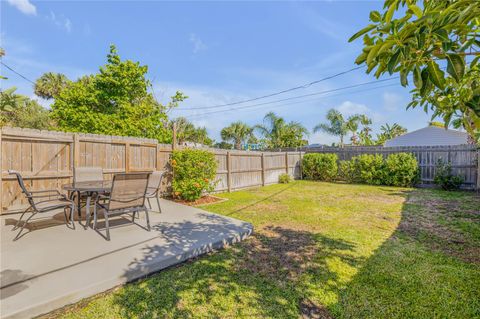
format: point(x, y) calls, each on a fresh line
point(291, 98)
point(17, 73)
point(304, 86)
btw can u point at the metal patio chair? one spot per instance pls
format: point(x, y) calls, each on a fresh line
point(127, 196)
point(42, 201)
point(85, 174)
point(153, 188)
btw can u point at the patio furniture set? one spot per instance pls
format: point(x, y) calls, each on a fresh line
point(127, 193)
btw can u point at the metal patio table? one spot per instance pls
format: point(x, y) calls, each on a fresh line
point(90, 189)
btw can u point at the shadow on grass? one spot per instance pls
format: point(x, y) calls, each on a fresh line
point(423, 270)
point(259, 278)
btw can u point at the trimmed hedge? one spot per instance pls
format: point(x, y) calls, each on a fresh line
point(400, 169)
point(194, 173)
point(321, 167)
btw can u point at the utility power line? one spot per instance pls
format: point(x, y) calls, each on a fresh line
point(304, 86)
point(293, 98)
point(17, 73)
point(255, 107)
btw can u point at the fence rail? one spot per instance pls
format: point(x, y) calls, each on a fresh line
point(46, 159)
point(465, 159)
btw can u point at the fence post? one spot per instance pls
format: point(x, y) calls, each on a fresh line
point(76, 151)
point(1, 174)
point(286, 162)
point(300, 165)
point(229, 175)
point(127, 157)
point(263, 169)
point(478, 170)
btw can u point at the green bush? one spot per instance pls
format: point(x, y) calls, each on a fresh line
point(347, 172)
point(322, 167)
point(444, 177)
point(284, 178)
point(401, 169)
point(193, 173)
point(369, 169)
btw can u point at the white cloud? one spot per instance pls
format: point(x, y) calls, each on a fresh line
point(348, 108)
point(198, 44)
point(392, 101)
point(25, 6)
point(60, 21)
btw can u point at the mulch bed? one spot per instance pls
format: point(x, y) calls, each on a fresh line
point(205, 200)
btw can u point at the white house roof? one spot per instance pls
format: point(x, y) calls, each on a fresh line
point(429, 136)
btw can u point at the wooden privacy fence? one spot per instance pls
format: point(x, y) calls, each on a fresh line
point(465, 159)
point(46, 160)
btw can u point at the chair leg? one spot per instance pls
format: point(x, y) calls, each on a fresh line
point(20, 219)
point(105, 215)
point(72, 215)
point(23, 226)
point(133, 217)
point(94, 216)
point(148, 219)
point(158, 203)
point(149, 204)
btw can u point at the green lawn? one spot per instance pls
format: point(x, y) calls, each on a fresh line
point(323, 250)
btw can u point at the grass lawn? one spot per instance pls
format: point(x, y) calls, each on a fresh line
point(322, 250)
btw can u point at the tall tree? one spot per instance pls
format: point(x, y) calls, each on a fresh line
point(20, 111)
point(50, 84)
point(339, 126)
point(278, 133)
point(419, 37)
point(387, 132)
point(115, 101)
point(237, 132)
point(188, 132)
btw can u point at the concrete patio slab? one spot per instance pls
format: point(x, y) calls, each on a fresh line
point(53, 266)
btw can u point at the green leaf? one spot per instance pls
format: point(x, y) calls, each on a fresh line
point(375, 16)
point(403, 78)
point(362, 32)
point(386, 45)
point(455, 66)
point(373, 53)
point(417, 77)
point(436, 75)
point(361, 58)
point(393, 61)
point(416, 10)
point(426, 84)
point(389, 13)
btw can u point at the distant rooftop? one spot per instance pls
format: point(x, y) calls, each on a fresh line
point(430, 136)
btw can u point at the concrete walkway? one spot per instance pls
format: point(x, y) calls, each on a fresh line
point(53, 266)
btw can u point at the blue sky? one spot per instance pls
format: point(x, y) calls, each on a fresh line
point(215, 52)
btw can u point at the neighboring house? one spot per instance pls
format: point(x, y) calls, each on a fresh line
point(429, 136)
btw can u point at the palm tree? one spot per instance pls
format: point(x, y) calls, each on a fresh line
point(388, 132)
point(279, 133)
point(50, 85)
point(237, 133)
point(187, 132)
point(339, 126)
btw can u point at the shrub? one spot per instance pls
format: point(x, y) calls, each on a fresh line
point(194, 173)
point(369, 169)
point(284, 178)
point(321, 167)
point(347, 172)
point(444, 177)
point(401, 169)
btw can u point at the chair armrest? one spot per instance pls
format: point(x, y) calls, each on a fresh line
point(47, 193)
